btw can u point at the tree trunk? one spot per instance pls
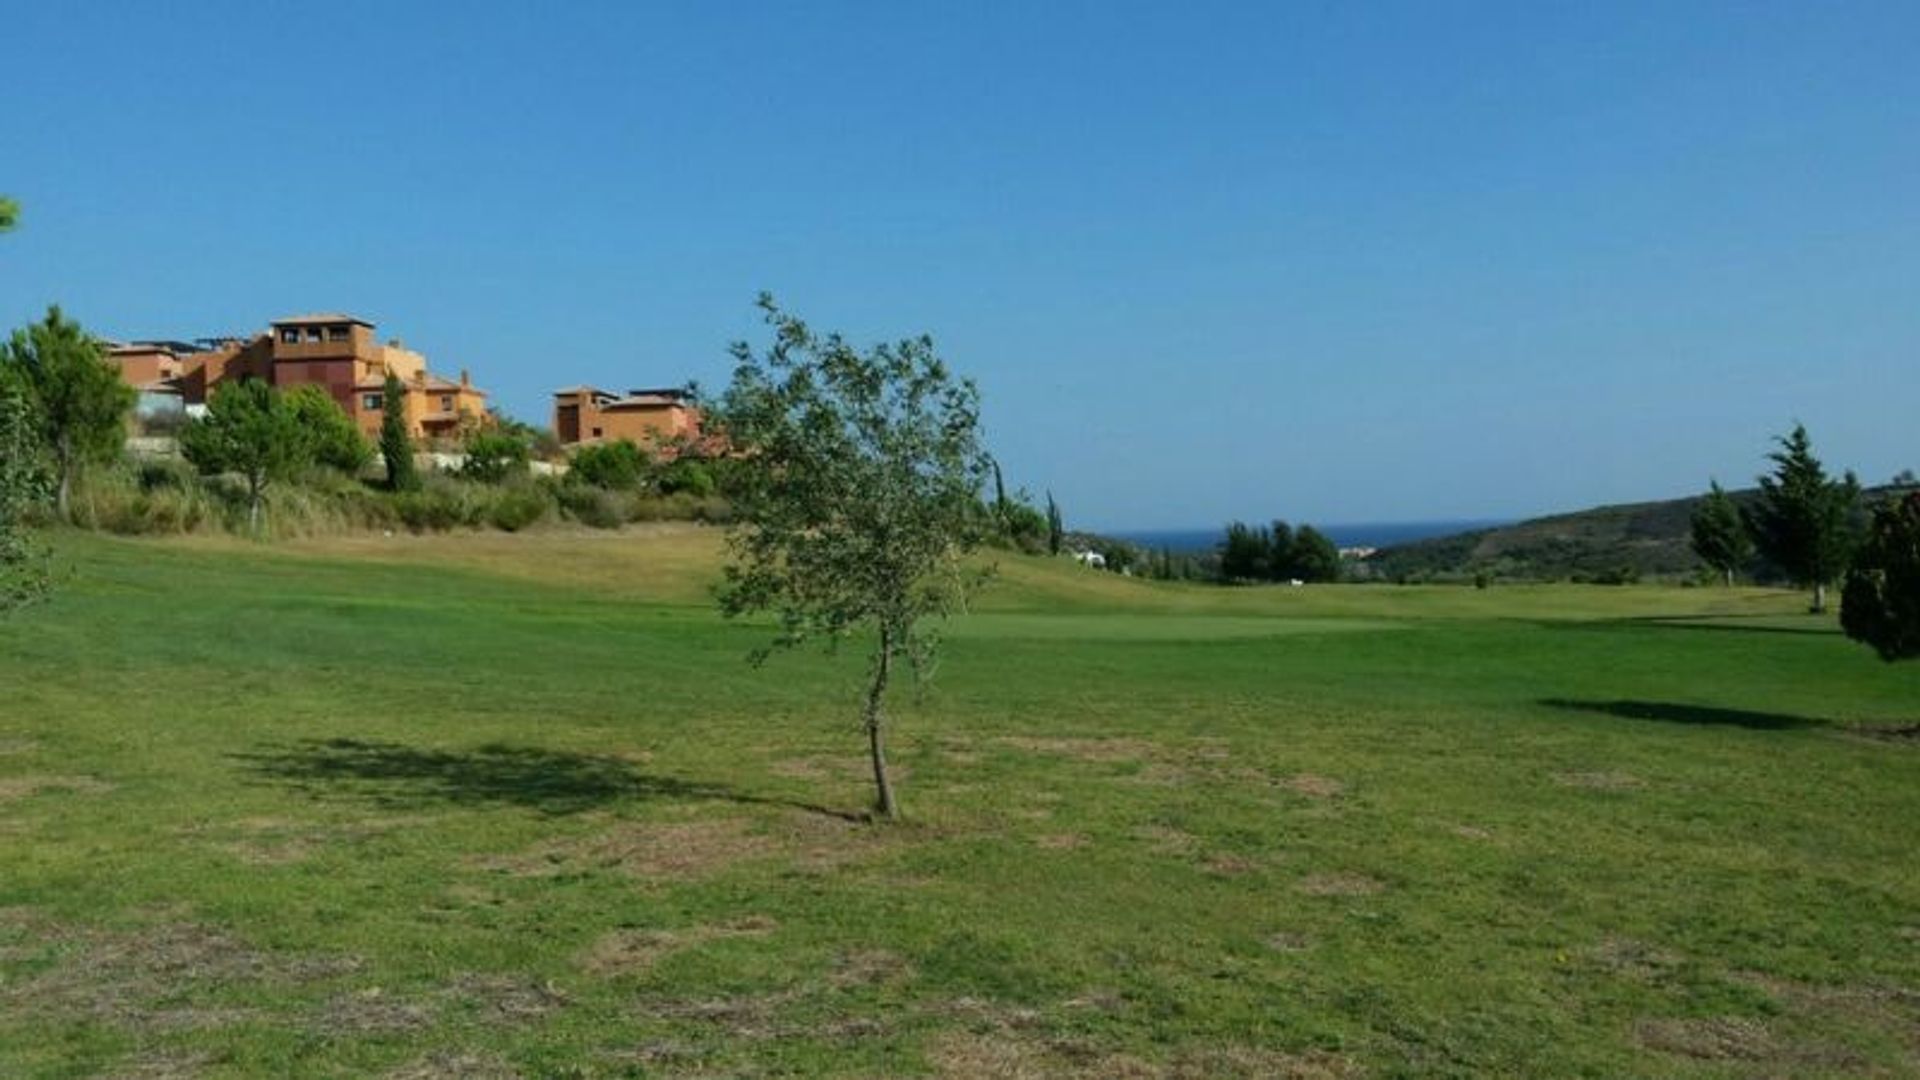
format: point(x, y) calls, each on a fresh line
point(1728, 572)
point(1819, 597)
point(63, 497)
point(253, 507)
point(876, 738)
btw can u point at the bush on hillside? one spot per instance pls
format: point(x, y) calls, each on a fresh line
point(612, 466)
point(494, 457)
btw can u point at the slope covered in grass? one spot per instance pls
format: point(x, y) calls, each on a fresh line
point(516, 805)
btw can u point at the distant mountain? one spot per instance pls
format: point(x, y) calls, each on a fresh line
point(1608, 543)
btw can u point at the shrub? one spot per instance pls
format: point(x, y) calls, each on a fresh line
point(494, 456)
point(614, 466)
point(516, 508)
point(592, 506)
point(335, 439)
point(686, 475)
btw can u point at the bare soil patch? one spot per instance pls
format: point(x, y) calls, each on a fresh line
point(1340, 885)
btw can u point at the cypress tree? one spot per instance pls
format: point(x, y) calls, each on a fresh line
point(1881, 604)
point(395, 445)
point(1056, 526)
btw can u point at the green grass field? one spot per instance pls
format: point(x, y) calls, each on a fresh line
point(515, 805)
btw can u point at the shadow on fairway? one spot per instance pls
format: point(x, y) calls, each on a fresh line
point(551, 781)
point(1736, 624)
point(1675, 713)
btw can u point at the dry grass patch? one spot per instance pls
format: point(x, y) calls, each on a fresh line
point(1632, 959)
point(1313, 786)
point(1598, 781)
point(1720, 1038)
point(650, 851)
point(869, 967)
point(1340, 885)
point(146, 978)
point(1061, 841)
point(162, 1065)
point(14, 747)
point(625, 952)
point(21, 787)
point(1103, 750)
point(453, 1065)
point(370, 1012)
point(974, 1055)
point(1167, 840)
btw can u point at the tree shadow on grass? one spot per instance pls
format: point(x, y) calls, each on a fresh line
point(550, 781)
point(1675, 713)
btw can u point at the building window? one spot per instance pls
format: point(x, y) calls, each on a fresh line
point(313, 333)
point(290, 335)
point(370, 402)
point(596, 433)
point(338, 333)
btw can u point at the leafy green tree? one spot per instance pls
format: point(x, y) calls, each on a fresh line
point(861, 499)
point(396, 446)
point(494, 456)
point(616, 466)
point(1880, 604)
point(77, 396)
point(23, 486)
point(1245, 553)
point(1280, 552)
point(1314, 556)
point(253, 430)
point(1803, 522)
point(335, 438)
point(1056, 526)
point(1719, 535)
point(9, 213)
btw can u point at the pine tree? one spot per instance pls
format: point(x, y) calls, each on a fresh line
point(251, 429)
point(1719, 536)
point(396, 446)
point(1802, 522)
point(1315, 558)
point(1280, 553)
point(1056, 526)
point(76, 395)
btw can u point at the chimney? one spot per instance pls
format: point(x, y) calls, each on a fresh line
point(465, 379)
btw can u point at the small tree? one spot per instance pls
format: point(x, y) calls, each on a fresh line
point(1315, 558)
point(616, 466)
point(493, 456)
point(396, 446)
point(1280, 552)
point(77, 396)
point(334, 437)
point(1719, 536)
point(1056, 526)
point(23, 486)
point(860, 499)
point(1803, 521)
point(9, 214)
point(1880, 604)
point(252, 430)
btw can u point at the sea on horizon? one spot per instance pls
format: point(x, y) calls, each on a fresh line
point(1377, 534)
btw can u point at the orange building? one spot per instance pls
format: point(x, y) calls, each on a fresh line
point(650, 418)
point(334, 351)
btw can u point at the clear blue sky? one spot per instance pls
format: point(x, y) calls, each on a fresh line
point(1333, 262)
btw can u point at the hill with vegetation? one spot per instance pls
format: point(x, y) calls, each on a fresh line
point(1604, 545)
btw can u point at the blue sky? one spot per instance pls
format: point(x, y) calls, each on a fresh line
point(1330, 262)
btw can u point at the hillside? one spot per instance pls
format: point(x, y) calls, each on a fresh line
point(1607, 543)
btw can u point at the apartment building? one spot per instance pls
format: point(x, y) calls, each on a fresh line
point(335, 351)
point(584, 414)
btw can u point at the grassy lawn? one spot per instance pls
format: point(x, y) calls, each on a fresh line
point(514, 805)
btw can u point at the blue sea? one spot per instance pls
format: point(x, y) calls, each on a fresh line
point(1377, 534)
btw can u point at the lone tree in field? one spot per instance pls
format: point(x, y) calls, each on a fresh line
point(23, 485)
point(77, 396)
point(1803, 521)
point(396, 447)
point(1719, 536)
point(859, 496)
point(1881, 602)
point(253, 430)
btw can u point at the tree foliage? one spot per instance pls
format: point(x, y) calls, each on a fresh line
point(1056, 526)
point(396, 445)
point(1880, 604)
point(253, 430)
point(1803, 522)
point(75, 394)
point(334, 437)
point(619, 465)
point(1719, 536)
point(23, 487)
point(861, 497)
point(495, 456)
point(1313, 556)
point(9, 213)
point(1277, 553)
